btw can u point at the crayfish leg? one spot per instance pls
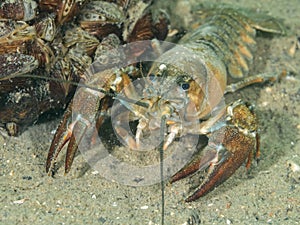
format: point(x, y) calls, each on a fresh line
point(126, 137)
point(255, 79)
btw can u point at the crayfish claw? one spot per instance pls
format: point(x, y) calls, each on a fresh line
point(198, 164)
point(228, 148)
point(238, 148)
point(70, 133)
point(79, 131)
point(61, 137)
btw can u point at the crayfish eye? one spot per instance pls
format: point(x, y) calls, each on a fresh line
point(151, 76)
point(185, 86)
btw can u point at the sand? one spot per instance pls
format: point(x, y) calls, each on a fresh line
point(267, 194)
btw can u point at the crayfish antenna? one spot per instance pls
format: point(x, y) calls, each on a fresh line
point(161, 158)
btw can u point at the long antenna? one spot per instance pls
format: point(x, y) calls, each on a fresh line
point(161, 158)
point(113, 95)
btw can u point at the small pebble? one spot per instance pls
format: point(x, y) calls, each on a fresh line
point(268, 89)
point(21, 201)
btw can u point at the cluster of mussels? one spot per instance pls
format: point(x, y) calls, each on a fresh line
point(60, 39)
